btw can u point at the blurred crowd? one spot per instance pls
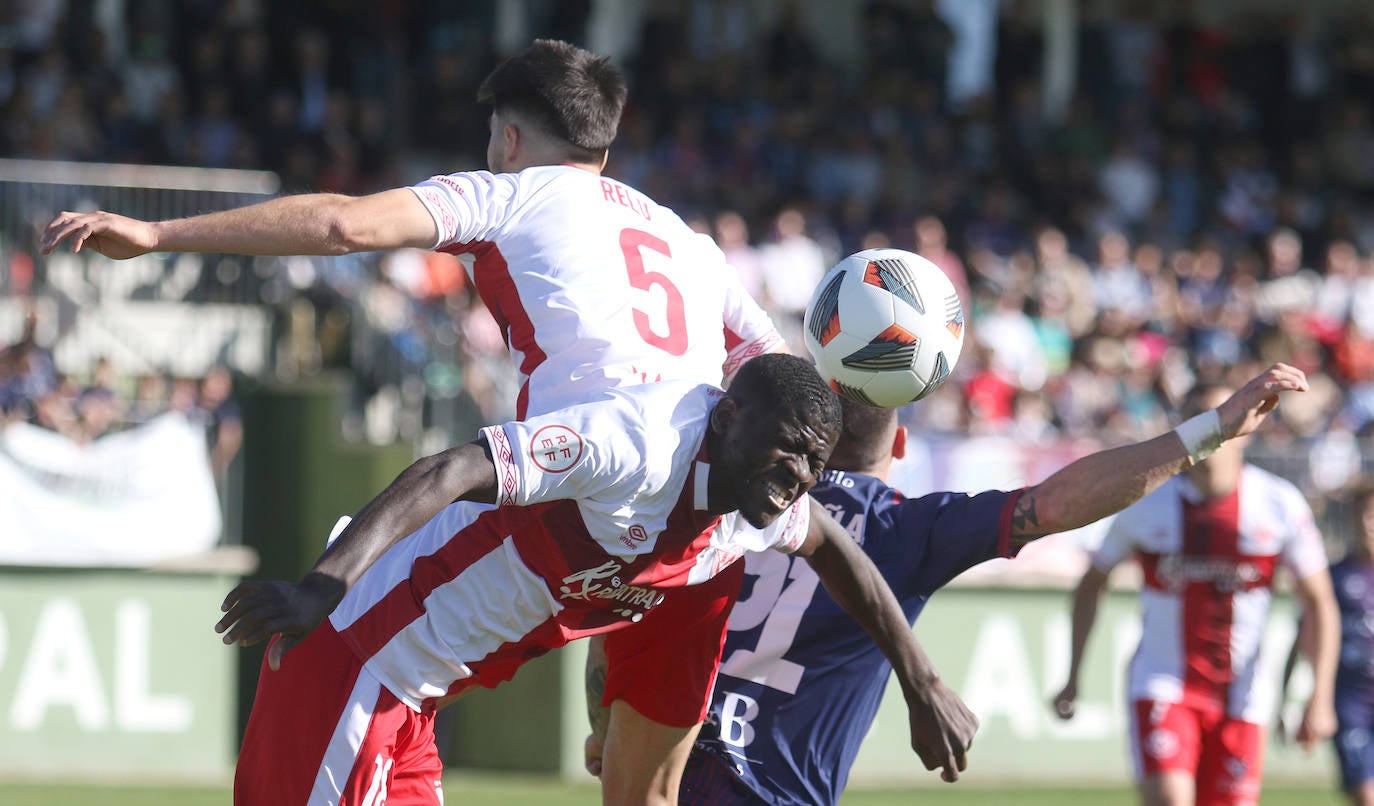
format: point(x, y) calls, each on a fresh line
point(32, 390)
point(1202, 204)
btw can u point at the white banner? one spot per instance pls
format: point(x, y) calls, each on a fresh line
point(127, 499)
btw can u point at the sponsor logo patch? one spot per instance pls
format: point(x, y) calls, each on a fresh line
point(634, 536)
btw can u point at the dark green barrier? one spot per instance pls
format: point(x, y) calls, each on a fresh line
point(299, 477)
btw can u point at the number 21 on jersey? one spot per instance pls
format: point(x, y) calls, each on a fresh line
point(783, 588)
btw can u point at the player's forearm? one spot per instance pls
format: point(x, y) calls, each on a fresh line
point(598, 715)
point(1321, 612)
point(308, 224)
point(417, 495)
point(855, 584)
point(1087, 596)
point(1096, 486)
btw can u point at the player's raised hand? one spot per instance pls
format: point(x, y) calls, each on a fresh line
point(255, 611)
point(1243, 411)
point(942, 729)
point(113, 236)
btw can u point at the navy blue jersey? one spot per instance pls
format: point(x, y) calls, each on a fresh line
point(800, 681)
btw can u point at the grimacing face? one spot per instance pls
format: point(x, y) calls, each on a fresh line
point(769, 458)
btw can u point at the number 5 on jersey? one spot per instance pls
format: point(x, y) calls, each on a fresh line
point(674, 342)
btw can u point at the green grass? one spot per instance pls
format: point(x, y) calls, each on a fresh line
point(495, 790)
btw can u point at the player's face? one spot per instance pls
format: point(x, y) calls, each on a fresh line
point(767, 460)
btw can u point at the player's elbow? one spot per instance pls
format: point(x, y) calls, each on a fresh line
point(348, 232)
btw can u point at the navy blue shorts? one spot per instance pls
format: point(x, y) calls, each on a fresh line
point(707, 781)
point(1354, 741)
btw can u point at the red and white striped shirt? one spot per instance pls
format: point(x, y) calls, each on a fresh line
point(594, 284)
point(1208, 574)
point(604, 513)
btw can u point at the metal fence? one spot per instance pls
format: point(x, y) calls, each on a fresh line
point(174, 315)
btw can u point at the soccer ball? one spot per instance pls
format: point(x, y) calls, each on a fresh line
point(885, 327)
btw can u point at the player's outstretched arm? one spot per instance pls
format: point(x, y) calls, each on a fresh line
point(1321, 616)
point(1086, 598)
point(309, 224)
point(255, 611)
point(942, 727)
point(1108, 481)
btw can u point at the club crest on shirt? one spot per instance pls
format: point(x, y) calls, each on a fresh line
point(555, 448)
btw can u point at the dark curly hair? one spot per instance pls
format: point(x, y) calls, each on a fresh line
point(789, 383)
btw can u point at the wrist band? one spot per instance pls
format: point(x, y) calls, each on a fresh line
point(1200, 435)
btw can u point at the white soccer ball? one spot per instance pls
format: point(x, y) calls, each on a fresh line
point(885, 327)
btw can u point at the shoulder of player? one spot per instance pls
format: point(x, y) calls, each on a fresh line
point(662, 413)
point(649, 397)
point(855, 483)
point(1273, 490)
point(1272, 482)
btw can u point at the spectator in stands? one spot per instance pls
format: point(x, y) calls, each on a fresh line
point(932, 243)
point(99, 408)
point(792, 264)
point(1183, 160)
point(223, 423)
point(26, 373)
point(150, 397)
point(732, 235)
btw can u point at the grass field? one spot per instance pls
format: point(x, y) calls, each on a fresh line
point(483, 790)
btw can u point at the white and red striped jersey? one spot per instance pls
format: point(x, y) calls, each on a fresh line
point(603, 514)
point(594, 284)
point(1208, 574)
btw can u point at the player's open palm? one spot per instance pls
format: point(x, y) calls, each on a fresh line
point(255, 611)
point(113, 236)
point(1246, 409)
point(942, 729)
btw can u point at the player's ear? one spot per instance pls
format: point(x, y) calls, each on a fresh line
point(724, 414)
point(511, 140)
point(899, 443)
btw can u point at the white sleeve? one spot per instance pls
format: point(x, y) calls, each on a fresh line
point(749, 330)
point(786, 533)
point(1119, 542)
point(1303, 551)
point(595, 450)
point(467, 206)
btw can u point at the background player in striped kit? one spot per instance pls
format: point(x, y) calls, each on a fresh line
point(1209, 543)
point(798, 690)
